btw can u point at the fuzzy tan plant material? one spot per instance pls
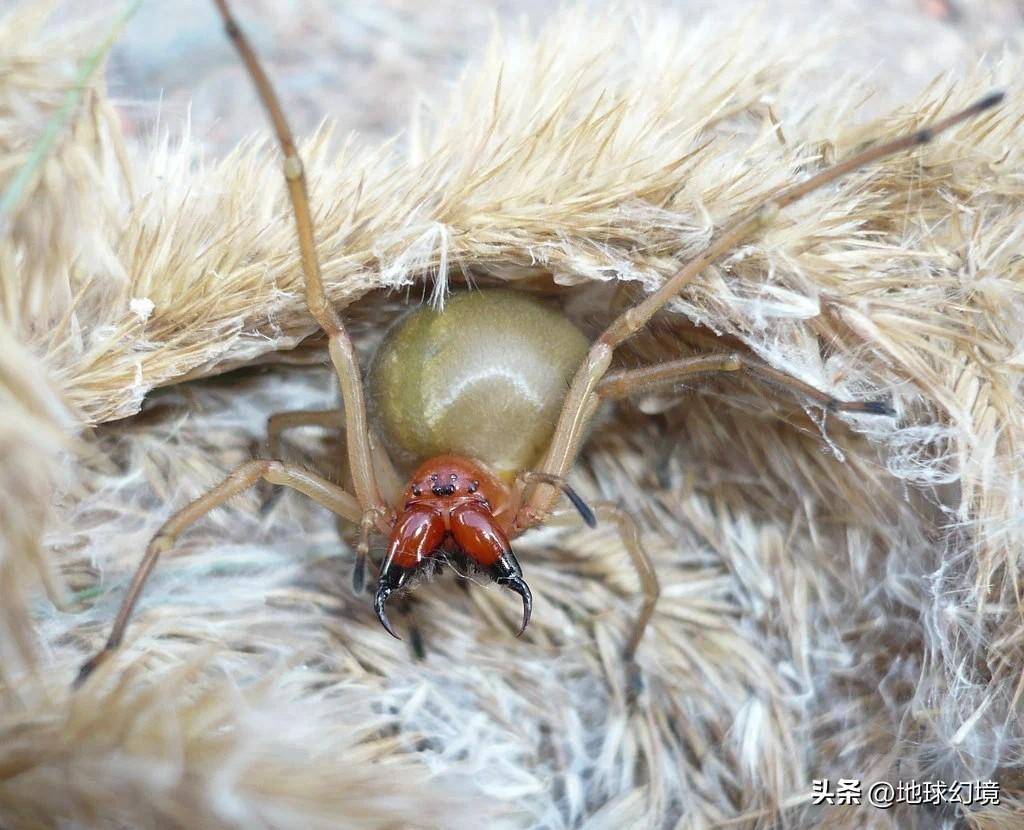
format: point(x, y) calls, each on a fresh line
point(841, 595)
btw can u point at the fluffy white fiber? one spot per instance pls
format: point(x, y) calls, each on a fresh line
point(841, 595)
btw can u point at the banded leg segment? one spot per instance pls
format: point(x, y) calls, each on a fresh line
point(581, 401)
point(276, 472)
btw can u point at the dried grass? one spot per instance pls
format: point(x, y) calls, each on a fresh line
point(840, 598)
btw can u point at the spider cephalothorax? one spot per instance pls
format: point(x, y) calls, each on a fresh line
point(451, 499)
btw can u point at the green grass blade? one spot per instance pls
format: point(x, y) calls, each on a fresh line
point(44, 146)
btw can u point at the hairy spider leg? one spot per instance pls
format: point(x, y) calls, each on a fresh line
point(582, 399)
point(368, 508)
point(650, 588)
point(360, 452)
point(623, 384)
point(242, 478)
point(334, 419)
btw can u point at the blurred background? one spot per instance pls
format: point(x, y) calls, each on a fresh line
point(364, 63)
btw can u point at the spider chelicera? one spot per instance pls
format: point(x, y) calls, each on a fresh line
point(502, 360)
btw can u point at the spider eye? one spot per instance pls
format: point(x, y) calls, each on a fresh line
point(454, 477)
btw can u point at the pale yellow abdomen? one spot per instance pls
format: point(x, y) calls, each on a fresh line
point(485, 379)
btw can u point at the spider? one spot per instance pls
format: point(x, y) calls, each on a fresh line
point(475, 397)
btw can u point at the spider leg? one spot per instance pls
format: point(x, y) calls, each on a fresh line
point(524, 477)
point(362, 551)
point(280, 422)
point(360, 452)
point(649, 586)
point(629, 533)
point(407, 609)
point(622, 384)
point(581, 401)
point(247, 475)
point(334, 419)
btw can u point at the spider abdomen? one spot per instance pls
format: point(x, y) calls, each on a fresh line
point(484, 379)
